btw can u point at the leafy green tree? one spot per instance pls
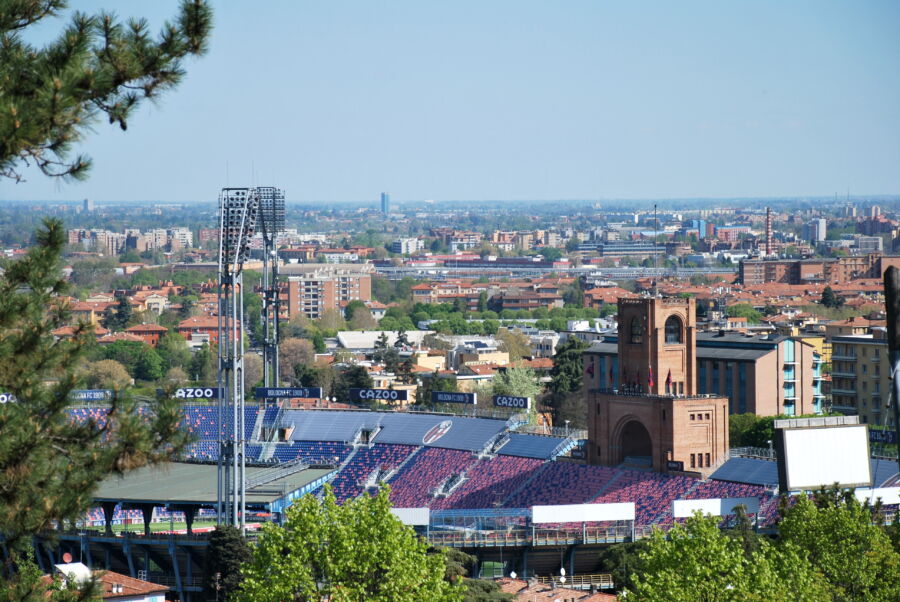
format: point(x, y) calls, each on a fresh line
point(52, 464)
point(517, 381)
point(352, 307)
point(120, 315)
point(837, 533)
point(173, 350)
point(28, 585)
point(96, 67)
point(106, 374)
point(623, 561)
point(745, 310)
point(697, 562)
point(515, 343)
point(149, 365)
point(482, 301)
point(203, 366)
point(318, 342)
point(831, 300)
point(228, 552)
point(351, 377)
point(568, 366)
point(357, 551)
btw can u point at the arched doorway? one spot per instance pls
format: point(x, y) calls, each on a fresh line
point(635, 443)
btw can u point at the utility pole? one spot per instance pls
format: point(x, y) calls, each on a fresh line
point(892, 304)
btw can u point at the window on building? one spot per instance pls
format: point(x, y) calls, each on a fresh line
point(692, 417)
point(637, 330)
point(865, 368)
point(693, 462)
point(707, 416)
point(707, 460)
point(673, 330)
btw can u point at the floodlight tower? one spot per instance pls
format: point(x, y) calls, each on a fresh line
point(238, 209)
point(271, 222)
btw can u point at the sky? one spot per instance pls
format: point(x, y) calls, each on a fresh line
point(505, 100)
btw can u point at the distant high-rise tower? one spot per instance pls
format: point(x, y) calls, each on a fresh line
point(875, 211)
point(88, 205)
point(768, 231)
point(385, 203)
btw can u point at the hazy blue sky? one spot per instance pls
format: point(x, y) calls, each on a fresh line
point(337, 100)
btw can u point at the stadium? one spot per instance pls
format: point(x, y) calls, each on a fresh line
point(479, 484)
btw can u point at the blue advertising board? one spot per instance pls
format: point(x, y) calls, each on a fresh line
point(446, 397)
point(882, 436)
point(511, 401)
point(379, 394)
point(194, 393)
point(91, 394)
point(288, 392)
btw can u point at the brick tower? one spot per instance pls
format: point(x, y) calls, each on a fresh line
point(647, 411)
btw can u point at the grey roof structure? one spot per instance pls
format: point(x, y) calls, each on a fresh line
point(470, 434)
point(195, 484)
point(531, 446)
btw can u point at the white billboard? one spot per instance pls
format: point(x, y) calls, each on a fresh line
point(582, 513)
point(714, 507)
point(809, 458)
point(413, 516)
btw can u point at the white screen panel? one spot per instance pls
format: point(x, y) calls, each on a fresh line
point(413, 516)
point(888, 495)
point(816, 457)
point(582, 513)
point(714, 507)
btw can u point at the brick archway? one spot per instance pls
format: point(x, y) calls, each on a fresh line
point(631, 437)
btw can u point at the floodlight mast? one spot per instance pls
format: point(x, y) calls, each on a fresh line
point(238, 208)
point(271, 218)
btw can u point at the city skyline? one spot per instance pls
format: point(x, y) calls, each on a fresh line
point(514, 101)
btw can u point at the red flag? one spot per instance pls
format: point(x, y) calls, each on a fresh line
point(669, 380)
point(650, 381)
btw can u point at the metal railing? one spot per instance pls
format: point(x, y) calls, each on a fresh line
point(600, 581)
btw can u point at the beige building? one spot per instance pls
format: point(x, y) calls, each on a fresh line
point(861, 375)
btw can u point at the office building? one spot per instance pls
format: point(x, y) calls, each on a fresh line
point(385, 203)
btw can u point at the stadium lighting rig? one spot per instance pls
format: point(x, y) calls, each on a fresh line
point(238, 212)
point(271, 224)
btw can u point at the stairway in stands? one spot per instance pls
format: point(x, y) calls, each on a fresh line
point(607, 485)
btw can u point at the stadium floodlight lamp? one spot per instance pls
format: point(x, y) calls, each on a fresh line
point(513, 575)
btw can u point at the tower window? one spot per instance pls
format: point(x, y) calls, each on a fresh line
point(673, 330)
point(637, 330)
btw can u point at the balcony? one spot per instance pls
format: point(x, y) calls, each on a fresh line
point(843, 358)
point(843, 374)
point(843, 391)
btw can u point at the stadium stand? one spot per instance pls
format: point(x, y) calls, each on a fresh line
point(563, 483)
point(411, 487)
point(312, 451)
point(652, 493)
point(348, 483)
point(490, 482)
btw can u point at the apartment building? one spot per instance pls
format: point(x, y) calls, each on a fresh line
point(315, 292)
point(861, 375)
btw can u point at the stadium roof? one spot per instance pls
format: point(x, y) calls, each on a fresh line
point(195, 484)
point(435, 430)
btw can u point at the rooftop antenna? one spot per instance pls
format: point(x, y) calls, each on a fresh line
point(653, 250)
